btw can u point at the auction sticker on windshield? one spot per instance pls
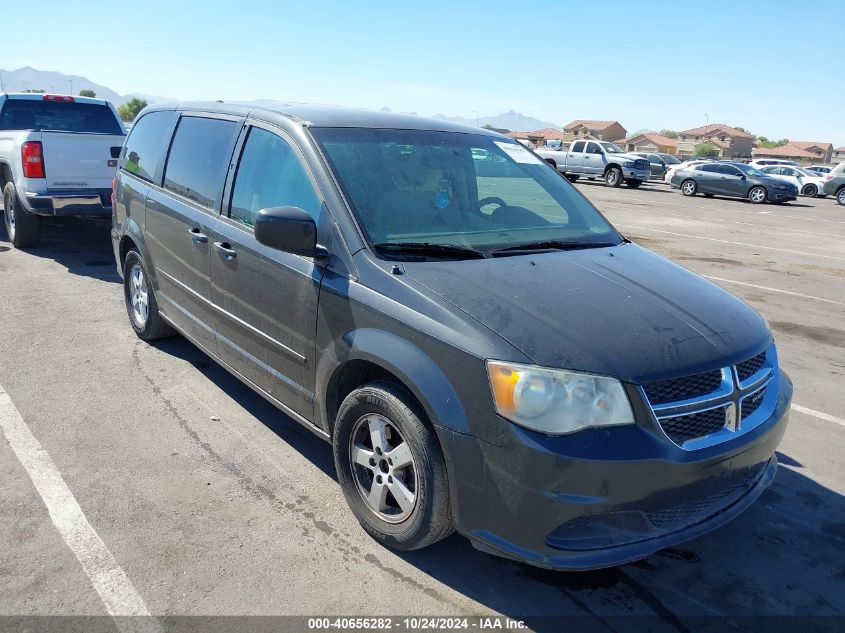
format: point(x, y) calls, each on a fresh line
point(518, 153)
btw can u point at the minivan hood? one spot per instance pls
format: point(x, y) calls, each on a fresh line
point(622, 311)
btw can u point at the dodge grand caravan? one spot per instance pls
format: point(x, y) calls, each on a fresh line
point(484, 351)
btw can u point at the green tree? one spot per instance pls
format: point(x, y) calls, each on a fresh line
point(129, 110)
point(706, 149)
point(762, 141)
point(669, 133)
point(39, 92)
point(87, 92)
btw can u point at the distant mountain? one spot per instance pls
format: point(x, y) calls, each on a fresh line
point(515, 121)
point(28, 78)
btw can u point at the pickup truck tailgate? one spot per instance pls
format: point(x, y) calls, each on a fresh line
point(79, 160)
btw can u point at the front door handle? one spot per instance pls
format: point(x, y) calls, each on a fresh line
point(197, 237)
point(225, 249)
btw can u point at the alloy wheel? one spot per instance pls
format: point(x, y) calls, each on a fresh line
point(383, 468)
point(688, 188)
point(138, 295)
point(840, 197)
point(10, 219)
point(758, 194)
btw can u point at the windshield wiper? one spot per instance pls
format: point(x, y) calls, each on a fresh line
point(427, 249)
point(548, 245)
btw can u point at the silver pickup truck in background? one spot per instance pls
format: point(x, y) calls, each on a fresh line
point(57, 158)
point(597, 159)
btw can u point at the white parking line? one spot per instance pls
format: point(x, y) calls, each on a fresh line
point(819, 415)
point(109, 580)
point(786, 292)
point(713, 239)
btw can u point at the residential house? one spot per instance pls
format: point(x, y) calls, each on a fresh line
point(731, 142)
point(650, 142)
point(838, 156)
point(787, 152)
point(823, 152)
point(539, 137)
point(601, 130)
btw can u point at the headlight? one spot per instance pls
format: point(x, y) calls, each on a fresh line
point(628, 165)
point(557, 401)
point(780, 187)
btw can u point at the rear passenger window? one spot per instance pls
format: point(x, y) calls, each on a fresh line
point(270, 174)
point(143, 154)
point(578, 146)
point(199, 158)
point(729, 170)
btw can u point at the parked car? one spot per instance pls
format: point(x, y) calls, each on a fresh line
point(808, 183)
point(598, 159)
point(484, 351)
point(669, 159)
point(834, 184)
point(762, 162)
point(656, 164)
point(736, 180)
point(687, 163)
point(820, 169)
point(57, 158)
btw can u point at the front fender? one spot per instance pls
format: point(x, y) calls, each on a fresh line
point(417, 371)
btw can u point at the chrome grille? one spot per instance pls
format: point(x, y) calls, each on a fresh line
point(748, 368)
point(686, 427)
point(751, 403)
point(684, 388)
point(704, 408)
point(641, 164)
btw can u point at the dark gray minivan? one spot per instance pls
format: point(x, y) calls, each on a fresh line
point(484, 351)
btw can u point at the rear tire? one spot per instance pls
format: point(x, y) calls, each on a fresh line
point(572, 178)
point(23, 229)
point(141, 304)
point(613, 177)
point(840, 196)
point(373, 483)
point(757, 195)
point(810, 190)
point(689, 187)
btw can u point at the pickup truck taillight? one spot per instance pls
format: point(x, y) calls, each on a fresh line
point(32, 159)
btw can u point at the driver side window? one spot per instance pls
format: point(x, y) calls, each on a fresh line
point(593, 148)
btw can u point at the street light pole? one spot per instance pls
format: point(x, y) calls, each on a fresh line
point(706, 119)
point(475, 112)
point(70, 81)
point(2, 85)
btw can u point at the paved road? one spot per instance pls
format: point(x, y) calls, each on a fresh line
point(211, 502)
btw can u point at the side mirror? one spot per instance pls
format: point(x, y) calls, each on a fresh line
point(288, 229)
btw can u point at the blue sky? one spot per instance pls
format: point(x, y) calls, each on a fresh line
point(648, 64)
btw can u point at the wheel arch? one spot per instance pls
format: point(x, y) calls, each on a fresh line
point(369, 354)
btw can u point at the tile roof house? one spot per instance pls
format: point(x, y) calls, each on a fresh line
point(788, 151)
point(649, 142)
point(822, 151)
point(601, 130)
point(539, 137)
point(731, 142)
point(838, 156)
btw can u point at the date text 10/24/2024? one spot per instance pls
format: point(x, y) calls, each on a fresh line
point(481, 623)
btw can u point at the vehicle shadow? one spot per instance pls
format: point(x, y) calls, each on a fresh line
point(82, 246)
point(783, 556)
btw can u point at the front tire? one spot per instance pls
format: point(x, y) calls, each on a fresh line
point(391, 468)
point(613, 177)
point(689, 187)
point(810, 190)
point(757, 195)
point(141, 304)
point(23, 229)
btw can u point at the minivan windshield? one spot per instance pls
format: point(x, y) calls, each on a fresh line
point(59, 116)
point(476, 192)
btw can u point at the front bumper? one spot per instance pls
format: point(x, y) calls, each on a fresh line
point(96, 202)
point(782, 196)
point(600, 498)
point(636, 174)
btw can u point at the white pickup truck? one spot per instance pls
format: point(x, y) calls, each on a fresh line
point(57, 158)
point(598, 159)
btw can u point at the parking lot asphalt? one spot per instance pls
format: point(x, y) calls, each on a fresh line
point(213, 503)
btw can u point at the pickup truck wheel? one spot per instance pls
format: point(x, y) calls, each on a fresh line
point(840, 196)
point(689, 187)
point(613, 177)
point(141, 302)
point(633, 184)
point(572, 178)
point(391, 468)
point(757, 195)
point(23, 229)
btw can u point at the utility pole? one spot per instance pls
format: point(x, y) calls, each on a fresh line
point(70, 81)
point(476, 117)
point(706, 119)
point(2, 85)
